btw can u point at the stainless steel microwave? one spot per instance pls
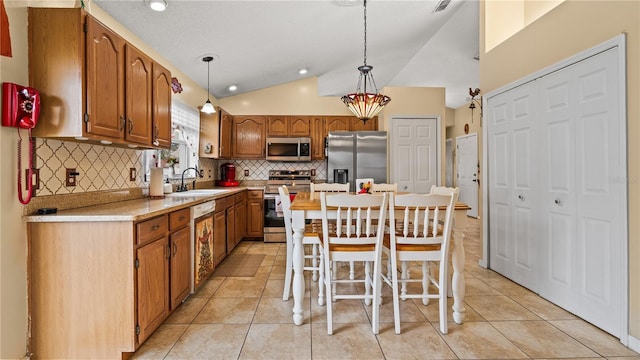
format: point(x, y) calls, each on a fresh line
point(289, 149)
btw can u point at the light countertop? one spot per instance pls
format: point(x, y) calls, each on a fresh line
point(133, 210)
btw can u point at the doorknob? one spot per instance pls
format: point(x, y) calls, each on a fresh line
point(558, 202)
point(521, 197)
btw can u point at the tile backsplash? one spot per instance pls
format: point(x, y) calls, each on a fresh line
point(107, 168)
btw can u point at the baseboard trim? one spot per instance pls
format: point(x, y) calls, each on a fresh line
point(634, 344)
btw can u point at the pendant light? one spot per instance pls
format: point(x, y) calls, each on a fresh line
point(363, 104)
point(208, 108)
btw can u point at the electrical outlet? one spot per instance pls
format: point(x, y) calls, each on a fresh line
point(246, 173)
point(132, 174)
point(71, 176)
point(313, 172)
point(35, 180)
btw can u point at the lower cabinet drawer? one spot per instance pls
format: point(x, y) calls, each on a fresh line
point(151, 229)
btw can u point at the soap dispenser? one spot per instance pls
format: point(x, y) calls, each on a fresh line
point(168, 187)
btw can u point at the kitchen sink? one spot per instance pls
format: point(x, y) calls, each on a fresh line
point(198, 192)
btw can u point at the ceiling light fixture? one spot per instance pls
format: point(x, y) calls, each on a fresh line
point(363, 104)
point(233, 88)
point(302, 71)
point(158, 5)
point(208, 108)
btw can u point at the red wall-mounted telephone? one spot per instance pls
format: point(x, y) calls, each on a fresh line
point(21, 109)
point(20, 106)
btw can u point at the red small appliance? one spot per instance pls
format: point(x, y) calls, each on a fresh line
point(227, 175)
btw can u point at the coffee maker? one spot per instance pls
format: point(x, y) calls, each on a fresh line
point(227, 175)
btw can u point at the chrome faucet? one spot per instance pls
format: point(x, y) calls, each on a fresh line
point(182, 186)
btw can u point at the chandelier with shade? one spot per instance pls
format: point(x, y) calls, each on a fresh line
point(366, 102)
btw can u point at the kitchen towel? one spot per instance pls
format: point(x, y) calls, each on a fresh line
point(156, 187)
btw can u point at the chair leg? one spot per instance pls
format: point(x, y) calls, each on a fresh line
point(367, 282)
point(334, 275)
point(321, 280)
point(394, 286)
point(443, 283)
point(376, 282)
point(352, 272)
point(425, 283)
point(329, 291)
point(404, 283)
point(288, 272)
point(314, 261)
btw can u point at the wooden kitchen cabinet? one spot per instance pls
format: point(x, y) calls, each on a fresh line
point(277, 125)
point(94, 86)
point(255, 215)
point(180, 260)
point(215, 134)
point(248, 137)
point(161, 101)
point(226, 136)
point(241, 216)
point(231, 224)
point(289, 126)
point(349, 123)
point(318, 134)
point(359, 125)
point(338, 123)
point(138, 75)
point(152, 287)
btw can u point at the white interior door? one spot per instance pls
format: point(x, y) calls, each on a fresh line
point(512, 185)
point(467, 177)
point(414, 156)
point(585, 229)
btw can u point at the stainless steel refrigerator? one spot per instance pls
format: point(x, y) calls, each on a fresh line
point(355, 155)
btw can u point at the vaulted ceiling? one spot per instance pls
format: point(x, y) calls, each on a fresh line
point(262, 43)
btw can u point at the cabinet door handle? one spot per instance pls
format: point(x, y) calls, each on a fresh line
point(175, 249)
point(168, 251)
point(123, 123)
point(155, 227)
point(181, 218)
point(130, 126)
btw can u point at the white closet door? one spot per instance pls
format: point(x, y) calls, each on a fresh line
point(512, 200)
point(584, 224)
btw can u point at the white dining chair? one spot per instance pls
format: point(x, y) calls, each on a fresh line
point(309, 239)
point(348, 235)
point(427, 221)
point(383, 187)
point(316, 188)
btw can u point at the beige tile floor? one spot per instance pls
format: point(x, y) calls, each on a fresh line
point(245, 318)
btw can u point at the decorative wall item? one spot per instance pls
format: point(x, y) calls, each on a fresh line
point(176, 87)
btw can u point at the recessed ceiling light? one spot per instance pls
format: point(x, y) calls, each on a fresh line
point(233, 88)
point(158, 5)
point(302, 71)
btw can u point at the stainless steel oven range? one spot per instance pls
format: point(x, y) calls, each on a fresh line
point(296, 181)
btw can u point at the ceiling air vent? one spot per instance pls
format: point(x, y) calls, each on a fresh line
point(441, 5)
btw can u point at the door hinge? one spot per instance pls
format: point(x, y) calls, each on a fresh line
point(86, 118)
point(137, 329)
point(137, 263)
